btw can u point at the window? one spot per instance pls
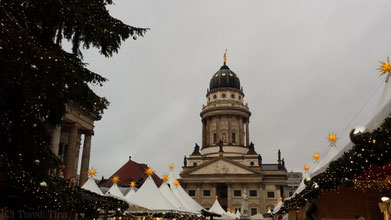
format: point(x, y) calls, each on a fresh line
point(232, 96)
point(233, 137)
point(252, 163)
point(240, 97)
point(253, 193)
point(191, 192)
point(206, 192)
point(223, 95)
point(238, 192)
point(194, 164)
point(270, 194)
point(214, 137)
point(215, 97)
point(209, 99)
point(224, 135)
point(253, 211)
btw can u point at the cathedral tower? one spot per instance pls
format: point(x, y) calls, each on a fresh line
point(225, 118)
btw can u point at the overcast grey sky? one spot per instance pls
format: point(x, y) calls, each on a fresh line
point(306, 68)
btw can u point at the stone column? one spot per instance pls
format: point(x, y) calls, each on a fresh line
point(207, 128)
point(229, 130)
point(218, 129)
point(247, 134)
point(85, 160)
point(203, 133)
point(71, 152)
point(241, 131)
point(56, 134)
point(198, 196)
point(229, 195)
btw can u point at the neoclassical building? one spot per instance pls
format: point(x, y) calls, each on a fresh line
point(66, 142)
point(227, 164)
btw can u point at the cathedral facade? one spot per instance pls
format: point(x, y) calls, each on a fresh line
point(227, 166)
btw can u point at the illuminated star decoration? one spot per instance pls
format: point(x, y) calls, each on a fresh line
point(316, 156)
point(332, 138)
point(385, 68)
point(165, 178)
point(115, 179)
point(92, 172)
point(132, 184)
point(306, 167)
point(176, 183)
point(171, 165)
point(149, 171)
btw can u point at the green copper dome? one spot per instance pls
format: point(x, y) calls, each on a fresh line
point(224, 78)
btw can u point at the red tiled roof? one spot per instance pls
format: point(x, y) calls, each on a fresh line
point(131, 171)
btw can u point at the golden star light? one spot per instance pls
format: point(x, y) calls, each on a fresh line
point(176, 183)
point(149, 171)
point(385, 67)
point(171, 165)
point(332, 138)
point(132, 184)
point(316, 156)
point(306, 167)
point(115, 179)
point(92, 172)
point(165, 178)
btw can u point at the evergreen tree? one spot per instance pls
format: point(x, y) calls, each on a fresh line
point(38, 77)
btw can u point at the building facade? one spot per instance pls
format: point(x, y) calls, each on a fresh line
point(227, 165)
point(66, 143)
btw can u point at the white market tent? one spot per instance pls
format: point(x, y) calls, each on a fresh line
point(130, 194)
point(181, 196)
point(169, 194)
point(325, 160)
point(91, 185)
point(278, 207)
point(150, 197)
point(216, 208)
point(115, 192)
point(382, 111)
point(237, 214)
point(256, 216)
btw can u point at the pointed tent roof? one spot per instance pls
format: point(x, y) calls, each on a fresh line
point(216, 208)
point(385, 96)
point(237, 214)
point(188, 198)
point(167, 192)
point(182, 197)
point(92, 186)
point(114, 191)
point(130, 194)
point(131, 170)
point(278, 207)
point(149, 196)
point(172, 176)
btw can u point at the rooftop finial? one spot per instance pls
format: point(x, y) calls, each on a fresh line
point(225, 57)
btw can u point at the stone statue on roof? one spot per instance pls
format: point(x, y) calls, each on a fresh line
point(196, 150)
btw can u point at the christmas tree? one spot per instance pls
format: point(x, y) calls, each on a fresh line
point(37, 78)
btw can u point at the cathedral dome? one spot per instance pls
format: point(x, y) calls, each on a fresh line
point(224, 78)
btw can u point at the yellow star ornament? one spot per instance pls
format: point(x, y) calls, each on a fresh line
point(165, 178)
point(171, 165)
point(176, 183)
point(306, 167)
point(115, 179)
point(132, 184)
point(316, 156)
point(332, 138)
point(92, 172)
point(149, 171)
point(385, 67)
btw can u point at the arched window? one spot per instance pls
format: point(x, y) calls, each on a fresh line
point(252, 163)
point(194, 164)
point(214, 138)
point(233, 137)
point(224, 137)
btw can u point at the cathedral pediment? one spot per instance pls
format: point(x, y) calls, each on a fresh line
point(220, 165)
